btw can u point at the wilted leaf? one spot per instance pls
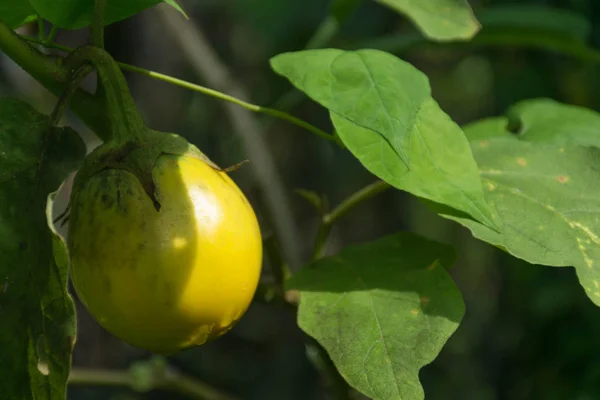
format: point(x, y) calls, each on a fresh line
point(38, 323)
point(382, 110)
point(382, 310)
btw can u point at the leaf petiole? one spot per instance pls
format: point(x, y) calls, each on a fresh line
point(207, 91)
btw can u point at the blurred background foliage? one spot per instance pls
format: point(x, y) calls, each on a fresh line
point(529, 331)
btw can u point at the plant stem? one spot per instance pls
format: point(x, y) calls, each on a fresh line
point(98, 23)
point(205, 90)
point(297, 121)
point(231, 99)
point(40, 24)
point(44, 69)
point(51, 35)
point(355, 199)
point(341, 210)
point(61, 106)
point(169, 381)
point(52, 74)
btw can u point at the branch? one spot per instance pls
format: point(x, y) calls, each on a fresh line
point(53, 75)
point(61, 105)
point(165, 378)
point(206, 63)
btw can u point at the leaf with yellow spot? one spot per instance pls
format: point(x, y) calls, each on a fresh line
point(540, 168)
point(547, 208)
point(382, 310)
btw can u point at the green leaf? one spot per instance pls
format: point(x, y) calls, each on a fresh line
point(38, 323)
point(382, 310)
point(543, 186)
point(382, 110)
point(440, 20)
point(15, 13)
point(76, 14)
point(541, 120)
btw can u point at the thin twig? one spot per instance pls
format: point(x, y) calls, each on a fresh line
point(207, 64)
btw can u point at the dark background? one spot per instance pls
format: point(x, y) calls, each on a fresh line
point(529, 331)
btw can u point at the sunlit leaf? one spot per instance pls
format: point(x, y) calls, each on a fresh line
point(383, 111)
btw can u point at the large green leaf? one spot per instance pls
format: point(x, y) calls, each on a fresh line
point(15, 13)
point(541, 173)
point(75, 14)
point(38, 324)
point(439, 19)
point(382, 110)
point(382, 310)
